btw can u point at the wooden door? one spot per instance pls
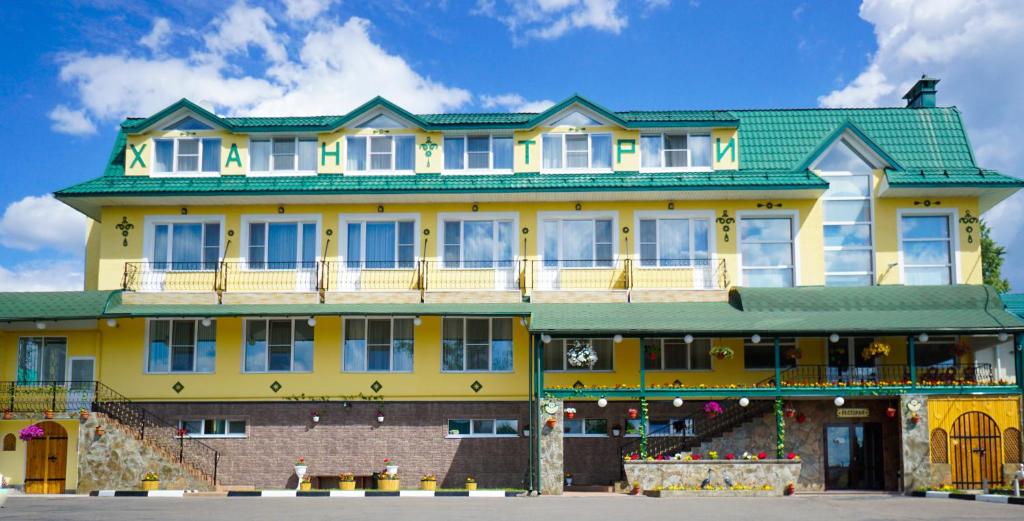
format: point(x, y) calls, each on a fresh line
point(47, 461)
point(976, 441)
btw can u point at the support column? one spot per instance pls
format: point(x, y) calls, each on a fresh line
point(552, 458)
point(643, 400)
point(916, 447)
point(780, 430)
point(912, 360)
point(1018, 360)
point(778, 362)
point(531, 423)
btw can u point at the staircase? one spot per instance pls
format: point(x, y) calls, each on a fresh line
point(663, 443)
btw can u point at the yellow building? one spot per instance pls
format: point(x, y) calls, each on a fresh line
point(512, 296)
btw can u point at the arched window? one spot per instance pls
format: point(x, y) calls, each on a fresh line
point(1011, 445)
point(9, 441)
point(940, 448)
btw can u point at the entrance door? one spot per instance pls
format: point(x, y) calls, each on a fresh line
point(47, 461)
point(82, 372)
point(853, 457)
point(976, 443)
point(845, 363)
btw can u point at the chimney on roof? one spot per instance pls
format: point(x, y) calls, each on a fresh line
point(922, 94)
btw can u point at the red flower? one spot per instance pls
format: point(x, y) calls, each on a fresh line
point(791, 455)
point(660, 457)
point(695, 457)
point(762, 455)
point(634, 456)
point(730, 456)
point(387, 460)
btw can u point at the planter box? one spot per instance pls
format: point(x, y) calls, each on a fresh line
point(428, 485)
point(387, 485)
point(150, 485)
point(652, 475)
point(347, 485)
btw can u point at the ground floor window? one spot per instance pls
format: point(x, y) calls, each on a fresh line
point(379, 344)
point(186, 346)
point(278, 345)
point(482, 428)
point(476, 344)
point(937, 351)
point(41, 359)
point(586, 427)
point(212, 428)
point(676, 354)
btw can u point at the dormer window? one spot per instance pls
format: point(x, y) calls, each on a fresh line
point(380, 153)
point(478, 153)
point(577, 152)
point(187, 156)
point(576, 119)
point(188, 123)
point(675, 151)
point(283, 155)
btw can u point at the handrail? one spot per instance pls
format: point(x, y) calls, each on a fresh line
point(703, 428)
point(811, 375)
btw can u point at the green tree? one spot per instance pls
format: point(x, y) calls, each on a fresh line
point(992, 261)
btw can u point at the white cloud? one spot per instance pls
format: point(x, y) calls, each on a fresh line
point(514, 103)
point(337, 66)
point(969, 45)
point(69, 121)
point(304, 10)
point(42, 222)
point(159, 36)
point(551, 19)
point(62, 275)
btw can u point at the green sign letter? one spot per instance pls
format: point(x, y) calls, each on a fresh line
point(138, 156)
point(729, 149)
point(324, 153)
point(234, 156)
point(526, 143)
point(624, 146)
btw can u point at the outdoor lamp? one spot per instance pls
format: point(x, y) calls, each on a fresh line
point(744, 401)
point(923, 337)
point(545, 338)
point(755, 338)
point(380, 416)
point(40, 325)
point(602, 402)
point(834, 337)
point(839, 401)
point(417, 321)
point(522, 321)
point(688, 339)
point(677, 402)
point(311, 321)
point(207, 321)
point(617, 339)
point(1003, 336)
point(111, 322)
point(316, 417)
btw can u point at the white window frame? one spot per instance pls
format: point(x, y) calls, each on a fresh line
point(490, 344)
point(227, 434)
point(661, 162)
point(43, 337)
point(283, 173)
point(689, 355)
point(471, 434)
point(170, 346)
point(954, 238)
point(367, 158)
point(391, 351)
point(577, 216)
point(565, 363)
point(466, 170)
point(174, 158)
point(348, 218)
point(590, 153)
point(585, 434)
point(291, 363)
point(150, 223)
point(647, 427)
point(266, 219)
point(462, 217)
point(659, 216)
point(794, 219)
point(870, 199)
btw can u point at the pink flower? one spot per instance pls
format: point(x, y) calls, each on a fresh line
point(730, 456)
point(762, 455)
point(791, 455)
point(695, 457)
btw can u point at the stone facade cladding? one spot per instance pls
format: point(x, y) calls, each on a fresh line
point(349, 439)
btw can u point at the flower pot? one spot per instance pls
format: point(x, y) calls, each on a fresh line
point(891, 412)
point(100, 431)
point(428, 485)
point(391, 470)
point(387, 485)
point(84, 415)
point(150, 485)
point(347, 485)
point(568, 482)
point(551, 422)
point(8, 415)
point(306, 485)
point(470, 486)
point(48, 415)
point(720, 356)
point(570, 415)
point(711, 415)
point(616, 432)
point(632, 414)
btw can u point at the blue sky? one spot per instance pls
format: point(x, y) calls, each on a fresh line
point(75, 72)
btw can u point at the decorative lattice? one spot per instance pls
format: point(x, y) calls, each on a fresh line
point(1011, 445)
point(940, 446)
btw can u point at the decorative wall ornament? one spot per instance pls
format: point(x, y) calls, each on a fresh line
point(428, 147)
point(125, 227)
point(726, 222)
point(969, 221)
point(769, 205)
point(927, 203)
point(581, 354)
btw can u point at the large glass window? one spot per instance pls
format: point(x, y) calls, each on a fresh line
point(576, 151)
point(283, 155)
point(762, 355)
point(380, 153)
point(927, 249)
point(675, 354)
point(278, 345)
point(555, 354)
point(476, 344)
point(766, 246)
point(578, 243)
point(41, 359)
point(282, 245)
point(482, 428)
point(187, 156)
point(478, 153)
point(181, 346)
point(380, 244)
point(938, 351)
point(379, 344)
point(478, 244)
point(848, 218)
point(675, 151)
point(186, 246)
point(673, 242)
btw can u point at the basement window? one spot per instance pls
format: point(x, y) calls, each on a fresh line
point(212, 428)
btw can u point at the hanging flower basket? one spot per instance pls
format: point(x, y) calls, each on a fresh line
point(789, 412)
point(570, 412)
point(712, 409)
point(581, 355)
point(800, 418)
point(31, 432)
point(875, 350)
point(722, 352)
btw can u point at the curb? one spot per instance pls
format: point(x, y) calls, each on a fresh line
point(984, 498)
point(314, 493)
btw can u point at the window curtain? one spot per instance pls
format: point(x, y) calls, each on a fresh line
point(700, 150)
point(211, 155)
point(502, 150)
point(206, 348)
point(164, 161)
point(186, 246)
point(257, 245)
point(453, 338)
point(29, 354)
point(501, 345)
point(380, 245)
point(406, 244)
point(279, 347)
point(282, 245)
point(454, 148)
point(600, 151)
point(355, 344)
point(650, 151)
point(354, 246)
point(160, 247)
point(378, 344)
point(402, 353)
point(405, 153)
point(478, 344)
point(307, 155)
point(259, 155)
point(309, 245)
point(183, 345)
point(452, 244)
point(211, 245)
point(552, 255)
point(552, 151)
point(55, 354)
point(355, 156)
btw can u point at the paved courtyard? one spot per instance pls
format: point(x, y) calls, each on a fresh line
point(828, 507)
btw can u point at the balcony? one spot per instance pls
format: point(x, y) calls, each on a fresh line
point(887, 375)
point(521, 278)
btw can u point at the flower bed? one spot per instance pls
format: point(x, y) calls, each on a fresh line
point(668, 478)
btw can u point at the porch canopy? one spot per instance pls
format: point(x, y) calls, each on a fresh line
point(802, 311)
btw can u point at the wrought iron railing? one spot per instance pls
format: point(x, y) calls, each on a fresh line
point(700, 428)
point(270, 276)
point(70, 397)
point(171, 276)
point(884, 375)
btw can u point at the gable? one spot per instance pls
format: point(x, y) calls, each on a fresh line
point(844, 156)
point(576, 119)
point(381, 121)
point(187, 123)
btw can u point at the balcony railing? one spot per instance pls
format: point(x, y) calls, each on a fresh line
point(885, 375)
point(171, 276)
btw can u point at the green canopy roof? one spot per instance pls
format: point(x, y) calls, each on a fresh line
point(53, 305)
point(1014, 303)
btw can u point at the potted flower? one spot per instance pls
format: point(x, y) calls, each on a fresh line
point(792, 456)
point(789, 412)
point(890, 412)
point(722, 352)
point(48, 414)
point(8, 414)
point(387, 482)
point(712, 409)
point(874, 350)
point(300, 469)
point(568, 479)
point(915, 419)
point(100, 430)
point(570, 412)
point(347, 481)
point(616, 430)
point(306, 484)
point(470, 483)
point(150, 481)
point(632, 413)
point(730, 456)
point(762, 455)
point(83, 413)
point(712, 454)
point(428, 482)
point(636, 488)
point(551, 422)
point(800, 418)
point(390, 467)
point(31, 432)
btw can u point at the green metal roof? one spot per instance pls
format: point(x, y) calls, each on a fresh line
point(951, 178)
point(53, 305)
point(230, 310)
point(1014, 303)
